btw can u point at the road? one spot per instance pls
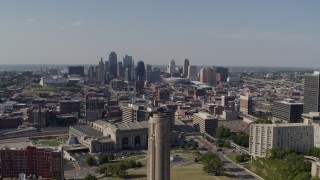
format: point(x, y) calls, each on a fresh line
point(235, 169)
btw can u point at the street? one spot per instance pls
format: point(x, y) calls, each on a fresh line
point(235, 169)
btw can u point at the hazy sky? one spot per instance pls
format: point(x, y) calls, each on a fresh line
point(207, 32)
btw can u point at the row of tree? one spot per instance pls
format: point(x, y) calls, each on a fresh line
point(239, 138)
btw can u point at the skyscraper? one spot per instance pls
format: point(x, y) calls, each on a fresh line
point(185, 67)
point(141, 72)
point(101, 72)
point(312, 92)
point(159, 148)
point(127, 62)
point(192, 73)
point(223, 73)
point(208, 75)
point(113, 64)
point(171, 68)
point(127, 75)
point(120, 69)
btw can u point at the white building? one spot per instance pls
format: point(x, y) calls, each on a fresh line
point(298, 136)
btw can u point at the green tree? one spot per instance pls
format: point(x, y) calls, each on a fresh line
point(88, 159)
point(242, 158)
point(314, 152)
point(103, 158)
point(90, 177)
point(222, 132)
point(211, 163)
point(194, 145)
point(241, 139)
point(120, 169)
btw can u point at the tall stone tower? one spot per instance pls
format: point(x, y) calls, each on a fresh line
point(159, 148)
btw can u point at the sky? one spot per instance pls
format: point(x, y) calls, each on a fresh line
point(273, 33)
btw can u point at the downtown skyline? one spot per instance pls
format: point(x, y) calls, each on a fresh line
point(245, 33)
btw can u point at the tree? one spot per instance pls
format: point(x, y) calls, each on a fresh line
point(103, 158)
point(314, 152)
point(88, 159)
point(242, 158)
point(90, 177)
point(222, 132)
point(120, 169)
point(194, 145)
point(139, 164)
point(241, 139)
point(211, 163)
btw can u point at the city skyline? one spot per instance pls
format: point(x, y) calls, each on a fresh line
point(245, 33)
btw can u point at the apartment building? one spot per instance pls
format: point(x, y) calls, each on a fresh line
point(298, 136)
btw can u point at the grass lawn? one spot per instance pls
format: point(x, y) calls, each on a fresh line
point(190, 172)
point(134, 158)
point(232, 158)
point(52, 142)
point(182, 151)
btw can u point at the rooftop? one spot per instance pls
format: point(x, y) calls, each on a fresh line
point(87, 131)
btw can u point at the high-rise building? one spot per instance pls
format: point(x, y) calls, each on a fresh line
point(158, 166)
point(76, 70)
point(120, 69)
point(263, 137)
point(312, 92)
point(222, 73)
point(113, 64)
point(106, 67)
point(133, 74)
point(127, 62)
point(153, 76)
point(171, 67)
point(127, 75)
point(208, 75)
point(101, 72)
point(148, 67)
point(246, 104)
point(40, 162)
point(185, 67)
point(141, 71)
point(192, 73)
point(91, 73)
point(287, 110)
point(204, 122)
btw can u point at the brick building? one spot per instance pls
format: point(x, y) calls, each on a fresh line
point(44, 162)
